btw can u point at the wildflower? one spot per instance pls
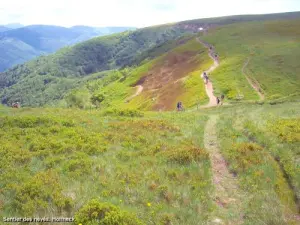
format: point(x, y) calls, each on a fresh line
point(148, 204)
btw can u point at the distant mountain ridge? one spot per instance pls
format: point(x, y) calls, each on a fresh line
point(13, 25)
point(24, 43)
point(4, 28)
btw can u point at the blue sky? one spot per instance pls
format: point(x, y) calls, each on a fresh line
point(138, 13)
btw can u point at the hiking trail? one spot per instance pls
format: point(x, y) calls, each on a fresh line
point(227, 194)
point(254, 84)
point(138, 92)
point(209, 86)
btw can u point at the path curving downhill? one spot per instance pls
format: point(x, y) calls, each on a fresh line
point(209, 86)
point(139, 90)
point(255, 85)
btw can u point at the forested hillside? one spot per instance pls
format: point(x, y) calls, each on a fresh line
point(69, 64)
point(22, 44)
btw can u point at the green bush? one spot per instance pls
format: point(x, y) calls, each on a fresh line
point(40, 192)
point(79, 166)
point(96, 212)
point(78, 99)
point(248, 155)
point(96, 99)
point(288, 130)
point(25, 121)
point(124, 112)
point(186, 154)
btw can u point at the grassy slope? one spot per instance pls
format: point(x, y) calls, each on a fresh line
point(260, 145)
point(273, 48)
point(220, 21)
point(190, 89)
point(112, 52)
point(149, 165)
point(53, 166)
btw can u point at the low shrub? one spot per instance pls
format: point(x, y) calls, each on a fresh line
point(186, 154)
point(248, 154)
point(96, 212)
point(40, 192)
point(288, 130)
point(78, 165)
point(123, 112)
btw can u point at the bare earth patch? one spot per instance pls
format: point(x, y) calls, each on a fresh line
point(139, 89)
point(161, 83)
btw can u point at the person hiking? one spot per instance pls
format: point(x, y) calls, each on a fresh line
point(206, 78)
point(179, 106)
point(218, 101)
point(222, 99)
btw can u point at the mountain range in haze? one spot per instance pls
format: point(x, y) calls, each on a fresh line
point(19, 43)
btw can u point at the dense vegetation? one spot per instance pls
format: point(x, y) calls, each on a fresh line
point(150, 168)
point(56, 161)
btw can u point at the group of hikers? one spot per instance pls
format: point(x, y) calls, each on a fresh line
point(204, 75)
point(214, 54)
point(218, 99)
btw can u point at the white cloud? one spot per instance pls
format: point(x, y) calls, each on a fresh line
point(131, 12)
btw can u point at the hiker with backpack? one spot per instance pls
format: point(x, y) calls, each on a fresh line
point(218, 100)
point(179, 106)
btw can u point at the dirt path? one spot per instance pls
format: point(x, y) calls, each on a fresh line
point(138, 92)
point(209, 86)
point(227, 195)
point(254, 84)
